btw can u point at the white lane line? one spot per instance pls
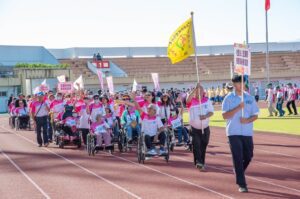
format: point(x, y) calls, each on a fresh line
point(259, 162)
point(25, 175)
point(253, 178)
point(172, 176)
point(255, 148)
point(149, 168)
point(79, 166)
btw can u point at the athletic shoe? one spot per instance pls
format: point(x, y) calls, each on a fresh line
point(276, 113)
point(243, 190)
point(179, 143)
point(46, 145)
point(39, 145)
point(200, 166)
point(152, 152)
point(162, 151)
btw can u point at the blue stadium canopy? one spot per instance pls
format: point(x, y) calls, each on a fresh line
point(11, 55)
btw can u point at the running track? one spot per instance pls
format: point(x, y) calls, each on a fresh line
point(27, 171)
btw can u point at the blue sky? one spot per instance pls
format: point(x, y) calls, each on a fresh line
point(129, 23)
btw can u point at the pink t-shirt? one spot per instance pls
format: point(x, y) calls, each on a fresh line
point(95, 109)
point(99, 127)
point(195, 111)
point(70, 121)
point(175, 122)
point(150, 124)
point(57, 106)
point(40, 112)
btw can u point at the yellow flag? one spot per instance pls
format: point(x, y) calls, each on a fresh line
point(181, 43)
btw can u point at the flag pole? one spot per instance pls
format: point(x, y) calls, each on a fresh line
point(197, 69)
point(247, 38)
point(267, 49)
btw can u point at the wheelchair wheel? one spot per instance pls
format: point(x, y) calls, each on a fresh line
point(168, 146)
point(88, 144)
point(61, 144)
point(140, 150)
point(10, 121)
point(17, 124)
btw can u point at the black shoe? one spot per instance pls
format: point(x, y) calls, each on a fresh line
point(243, 189)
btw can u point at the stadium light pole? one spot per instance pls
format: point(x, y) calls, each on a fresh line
point(267, 48)
point(247, 36)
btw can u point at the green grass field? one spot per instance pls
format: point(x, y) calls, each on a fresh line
point(286, 124)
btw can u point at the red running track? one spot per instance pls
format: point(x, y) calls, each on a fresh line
point(27, 171)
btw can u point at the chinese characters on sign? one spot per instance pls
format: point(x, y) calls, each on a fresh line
point(242, 59)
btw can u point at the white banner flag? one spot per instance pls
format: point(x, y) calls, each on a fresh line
point(110, 85)
point(155, 79)
point(134, 86)
point(100, 77)
point(78, 84)
point(61, 78)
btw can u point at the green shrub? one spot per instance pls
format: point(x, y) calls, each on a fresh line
point(41, 66)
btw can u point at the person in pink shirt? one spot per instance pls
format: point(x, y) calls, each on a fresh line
point(40, 112)
point(95, 109)
point(291, 100)
point(100, 129)
point(199, 112)
point(23, 115)
point(70, 124)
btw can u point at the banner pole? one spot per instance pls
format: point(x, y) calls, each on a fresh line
point(197, 69)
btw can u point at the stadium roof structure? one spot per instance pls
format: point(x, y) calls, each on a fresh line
point(110, 52)
point(11, 55)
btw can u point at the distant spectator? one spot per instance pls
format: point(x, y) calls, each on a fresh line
point(94, 57)
point(99, 58)
point(291, 100)
point(270, 100)
point(256, 94)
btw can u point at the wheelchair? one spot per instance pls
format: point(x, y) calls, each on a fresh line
point(11, 121)
point(142, 149)
point(124, 145)
point(65, 139)
point(92, 149)
point(20, 123)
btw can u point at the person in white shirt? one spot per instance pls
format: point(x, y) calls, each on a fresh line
point(270, 101)
point(200, 112)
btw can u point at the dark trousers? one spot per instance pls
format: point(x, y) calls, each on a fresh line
point(84, 133)
point(181, 131)
point(256, 98)
point(200, 141)
point(149, 139)
point(50, 129)
point(42, 123)
point(23, 121)
point(242, 153)
point(279, 108)
point(288, 105)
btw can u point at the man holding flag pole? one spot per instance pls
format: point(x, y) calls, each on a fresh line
point(240, 111)
point(182, 44)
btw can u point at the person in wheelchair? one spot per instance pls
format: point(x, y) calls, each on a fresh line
point(175, 122)
point(153, 129)
point(23, 115)
point(70, 124)
point(130, 121)
point(100, 128)
point(111, 120)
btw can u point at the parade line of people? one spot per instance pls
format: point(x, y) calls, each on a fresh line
point(100, 120)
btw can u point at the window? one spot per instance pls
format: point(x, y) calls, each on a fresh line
point(3, 93)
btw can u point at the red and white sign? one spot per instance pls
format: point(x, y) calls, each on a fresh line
point(102, 64)
point(65, 87)
point(242, 59)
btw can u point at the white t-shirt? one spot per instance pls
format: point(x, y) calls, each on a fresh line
point(150, 125)
point(195, 112)
point(270, 95)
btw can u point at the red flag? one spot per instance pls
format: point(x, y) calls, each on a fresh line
point(267, 5)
